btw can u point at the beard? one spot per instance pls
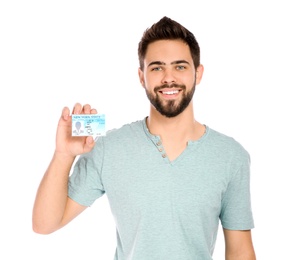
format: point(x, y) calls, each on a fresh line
point(170, 108)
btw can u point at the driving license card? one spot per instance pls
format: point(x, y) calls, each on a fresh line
point(88, 125)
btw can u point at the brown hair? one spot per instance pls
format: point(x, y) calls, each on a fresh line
point(168, 29)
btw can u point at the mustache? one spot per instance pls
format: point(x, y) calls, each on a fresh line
point(158, 88)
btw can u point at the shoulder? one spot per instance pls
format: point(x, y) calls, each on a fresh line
point(124, 141)
point(226, 144)
point(125, 130)
point(126, 134)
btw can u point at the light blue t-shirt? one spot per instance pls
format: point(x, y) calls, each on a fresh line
point(166, 209)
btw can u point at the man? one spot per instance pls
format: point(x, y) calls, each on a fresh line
point(169, 179)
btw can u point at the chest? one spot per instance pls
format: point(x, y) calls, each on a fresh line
point(187, 187)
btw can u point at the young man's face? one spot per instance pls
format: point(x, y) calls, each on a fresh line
point(169, 76)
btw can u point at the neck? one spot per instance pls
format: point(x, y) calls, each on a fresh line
point(183, 127)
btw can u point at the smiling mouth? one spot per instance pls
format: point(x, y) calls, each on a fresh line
point(170, 91)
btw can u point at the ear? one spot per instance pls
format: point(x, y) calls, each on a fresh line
point(141, 76)
point(199, 73)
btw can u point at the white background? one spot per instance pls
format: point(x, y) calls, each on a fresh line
point(56, 53)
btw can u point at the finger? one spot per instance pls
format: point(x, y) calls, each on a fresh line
point(86, 109)
point(89, 143)
point(77, 108)
point(93, 111)
point(65, 113)
point(89, 140)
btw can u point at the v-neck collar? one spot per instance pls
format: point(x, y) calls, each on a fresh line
point(156, 140)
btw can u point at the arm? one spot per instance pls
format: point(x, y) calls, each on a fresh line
point(52, 207)
point(238, 245)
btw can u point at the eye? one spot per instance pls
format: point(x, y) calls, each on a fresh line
point(156, 69)
point(180, 67)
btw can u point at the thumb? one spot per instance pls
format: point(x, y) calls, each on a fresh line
point(89, 143)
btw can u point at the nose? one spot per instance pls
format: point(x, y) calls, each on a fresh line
point(168, 77)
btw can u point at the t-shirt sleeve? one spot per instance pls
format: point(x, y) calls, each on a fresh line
point(85, 184)
point(236, 212)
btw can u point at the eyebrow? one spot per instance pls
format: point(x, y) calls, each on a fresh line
point(163, 63)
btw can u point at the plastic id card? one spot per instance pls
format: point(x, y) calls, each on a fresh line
point(88, 125)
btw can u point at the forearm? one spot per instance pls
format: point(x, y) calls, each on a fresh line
point(52, 195)
point(249, 255)
point(244, 256)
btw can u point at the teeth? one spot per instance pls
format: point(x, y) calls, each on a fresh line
point(170, 92)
